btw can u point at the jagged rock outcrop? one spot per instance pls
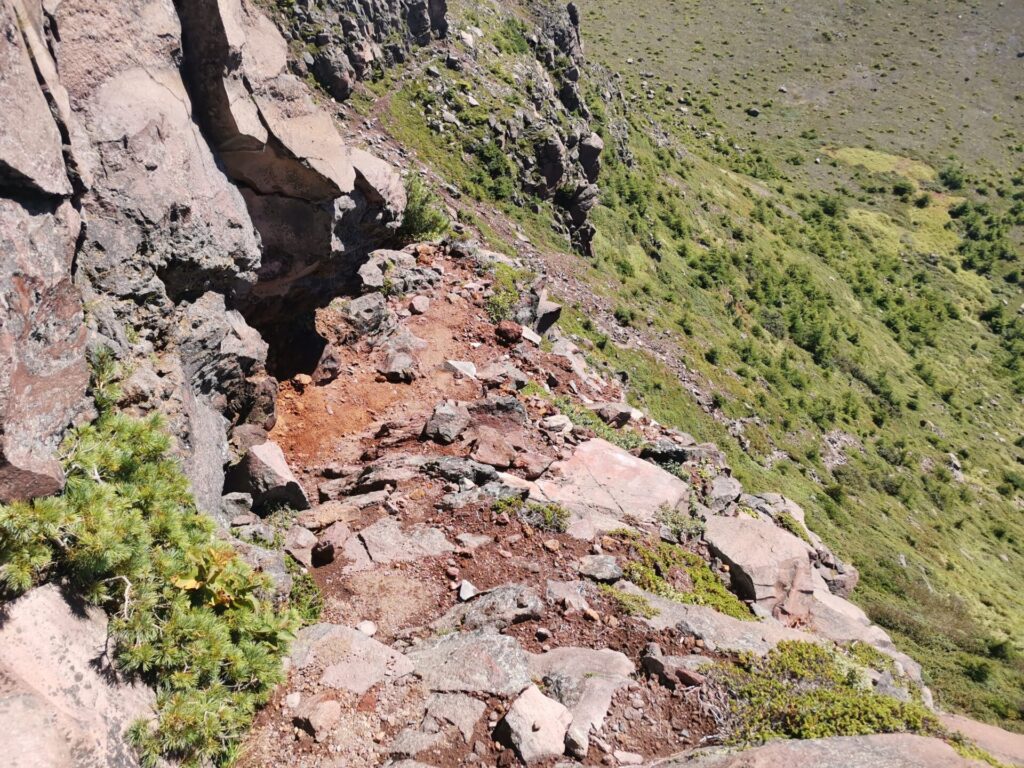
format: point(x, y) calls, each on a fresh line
point(319, 204)
point(43, 372)
point(350, 39)
point(113, 197)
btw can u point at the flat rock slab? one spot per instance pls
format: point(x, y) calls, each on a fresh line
point(472, 662)
point(498, 607)
point(718, 631)
point(604, 487)
point(350, 660)
point(891, 750)
point(457, 709)
point(1003, 745)
point(584, 680)
point(57, 707)
point(386, 541)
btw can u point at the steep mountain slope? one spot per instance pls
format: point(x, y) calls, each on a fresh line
point(410, 383)
point(841, 317)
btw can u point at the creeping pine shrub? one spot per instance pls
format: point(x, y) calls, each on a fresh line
point(629, 604)
point(803, 690)
point(424, 217)
point(186, 613)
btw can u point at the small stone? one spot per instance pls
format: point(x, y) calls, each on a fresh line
point(508, 332)
point(591, 615)
point(552, 545)
point(367, 627)
point(461, 368)
point(451, 572)
point(543, 633)
point(419, 305)
point(467, 591)
point(600, 568)
point(628, 758)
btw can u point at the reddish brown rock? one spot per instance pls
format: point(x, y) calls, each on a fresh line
point(492, 449)
point(895, 750)
point(508, 332)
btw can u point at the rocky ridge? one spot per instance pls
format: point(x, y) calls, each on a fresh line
point(457, 489)
point(434, 497)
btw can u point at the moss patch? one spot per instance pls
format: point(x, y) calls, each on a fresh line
point(661, 567)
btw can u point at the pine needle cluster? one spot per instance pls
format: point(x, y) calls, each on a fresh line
point(185, 611)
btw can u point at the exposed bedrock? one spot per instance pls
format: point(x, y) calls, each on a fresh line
point(319, 205)
point(160, 167)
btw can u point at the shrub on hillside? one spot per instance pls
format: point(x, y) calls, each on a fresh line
point(803, 690)
point(424, 218)
point(187, 614)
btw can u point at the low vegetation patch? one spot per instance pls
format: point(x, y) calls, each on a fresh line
point(672, 572)
point(424, 215)
point(187, 614)
point(581, 416)
point(543, 517)
point(804, 690)
point(631, 605)
point(505, 296)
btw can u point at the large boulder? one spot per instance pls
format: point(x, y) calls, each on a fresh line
point(535, 726)
point(604, 487)
point(61, 705)
point(768, 564)
point(265, 475)
point(584, 680)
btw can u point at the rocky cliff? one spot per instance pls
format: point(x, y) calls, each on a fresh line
point(166, 184)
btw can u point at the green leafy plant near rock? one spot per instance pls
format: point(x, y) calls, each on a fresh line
point(187, 615)
point(579, 415)
point(652, 566)
point(505, 296)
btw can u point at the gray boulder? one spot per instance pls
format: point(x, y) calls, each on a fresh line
point(61, 705)
point(448, 421)
point(265, 475)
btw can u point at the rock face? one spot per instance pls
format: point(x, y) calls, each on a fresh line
point(355, 37)
point(174, 206)
point(897, 750)
point(58, 705)
point(42, 340)
point(319, 205)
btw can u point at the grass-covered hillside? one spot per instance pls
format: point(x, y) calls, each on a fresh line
point(819, 207)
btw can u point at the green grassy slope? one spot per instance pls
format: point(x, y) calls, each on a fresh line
point(827, 265)
point(846, 264)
